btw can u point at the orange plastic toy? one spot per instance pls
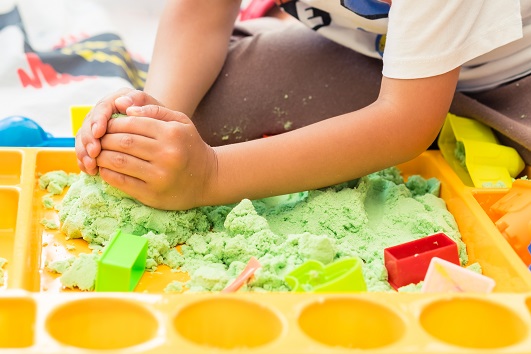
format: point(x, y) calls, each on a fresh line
point(245, 275)
point(512, 216)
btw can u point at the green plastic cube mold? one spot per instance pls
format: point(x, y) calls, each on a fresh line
point(122, 263)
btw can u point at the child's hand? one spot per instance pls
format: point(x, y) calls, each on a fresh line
point(157, 156)
point(94, 126)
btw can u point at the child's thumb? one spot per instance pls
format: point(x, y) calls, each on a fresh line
point(158, 112)
point(134, 98)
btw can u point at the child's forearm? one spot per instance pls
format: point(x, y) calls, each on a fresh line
point(398, 127)
point(323, 154)
point(190, 49)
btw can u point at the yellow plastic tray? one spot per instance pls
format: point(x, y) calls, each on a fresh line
point(37, 316)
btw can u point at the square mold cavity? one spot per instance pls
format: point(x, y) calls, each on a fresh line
point(9, 197)
point(54, 160)
point(52, 245)
point(11, 167)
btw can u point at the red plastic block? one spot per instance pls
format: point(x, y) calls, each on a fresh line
point(408, 262)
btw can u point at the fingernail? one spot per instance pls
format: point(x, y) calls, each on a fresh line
point(125, 100)
point(94, 128)
point(134, 109)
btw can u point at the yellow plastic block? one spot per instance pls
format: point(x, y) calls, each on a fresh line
point(472, 150)
point(77, 116)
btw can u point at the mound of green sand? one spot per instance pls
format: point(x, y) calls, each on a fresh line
point(352, 219)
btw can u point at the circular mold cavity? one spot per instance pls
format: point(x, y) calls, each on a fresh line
point(102, 323)
point(351, 323)
point(473, 323)
point(228, 323)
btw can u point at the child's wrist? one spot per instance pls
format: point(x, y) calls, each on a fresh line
point(209, 189)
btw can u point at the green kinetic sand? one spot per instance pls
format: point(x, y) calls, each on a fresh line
point(352, 219)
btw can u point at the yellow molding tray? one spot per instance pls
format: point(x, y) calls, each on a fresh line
point(264, 323)
point(37, 316)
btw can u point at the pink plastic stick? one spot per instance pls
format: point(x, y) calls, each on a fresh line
point(248, 272)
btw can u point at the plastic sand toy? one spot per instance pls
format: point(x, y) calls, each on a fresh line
point(25, 132)
point(245, 275)
point(474, 153)
point(122, 263)
point(344, 275)
point(445, 277)
point(408, 262)
point(512, 216)
point(77, 116)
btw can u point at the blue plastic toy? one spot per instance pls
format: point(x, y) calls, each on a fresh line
point(19, 131)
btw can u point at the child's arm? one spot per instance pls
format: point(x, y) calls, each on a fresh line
point(177, 170)
point(191, 45)
point(400, 125)
point(190, 49)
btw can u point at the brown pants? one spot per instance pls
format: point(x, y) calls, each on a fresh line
point(280, 75)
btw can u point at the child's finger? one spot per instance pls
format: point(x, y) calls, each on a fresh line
point(86, 147)
point(85, 162)
point(99, 115)
point(143, 126)
point(135, 98)
point(130, 185)
point(123, 102)
point(124, 163)
point(131, 144)
point(158, 112)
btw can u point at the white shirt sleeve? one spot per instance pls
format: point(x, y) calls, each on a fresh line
point(430, 37)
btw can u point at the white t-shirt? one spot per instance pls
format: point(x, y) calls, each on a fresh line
point(490, 39)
